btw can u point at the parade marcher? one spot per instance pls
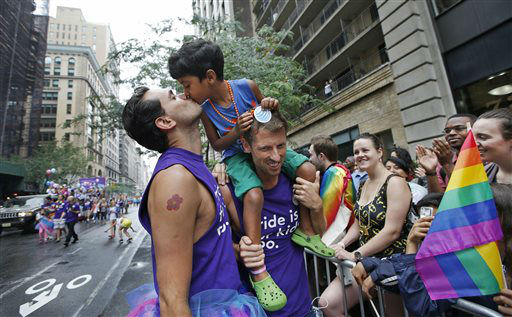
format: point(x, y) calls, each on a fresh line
point(44, 226)
point(381, 210)
point(112, 217)
point(182, 208)
point(227, 113)
point(266, 142)
point(59, 219)
point(71, 220)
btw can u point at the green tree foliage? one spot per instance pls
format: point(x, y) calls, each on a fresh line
point(262, 58)
point(69, 161)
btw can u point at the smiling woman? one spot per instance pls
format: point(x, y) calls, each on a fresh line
point(493, 134)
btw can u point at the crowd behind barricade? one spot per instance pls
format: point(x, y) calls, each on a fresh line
point(65, 206)
point(375, 210)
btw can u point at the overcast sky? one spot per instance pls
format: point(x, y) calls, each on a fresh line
point(128, 19)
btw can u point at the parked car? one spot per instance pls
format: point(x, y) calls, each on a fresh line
point(20, 212)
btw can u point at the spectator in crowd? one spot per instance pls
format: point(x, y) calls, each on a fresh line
point(350, 163)
point(493, 134)
point(335, 185)
point(440, 161)
point(358, 176)
point(402, 168)
point(328, 88)
point(381, 209)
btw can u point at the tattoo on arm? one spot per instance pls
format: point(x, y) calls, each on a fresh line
point(174, 202)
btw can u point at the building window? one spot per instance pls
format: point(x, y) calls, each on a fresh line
point(56, 70)
point(68, 108)
point(47, 60)
point(67, 124)
point(66, 137)
point(70, 95)
point(47, 83)
point(58, 60)
point(47, 71)
point(46, 136)
point(76, 28)
point(50, 95)
point(58, 26)
point(75, 37)
point(70, 84)
point(57, 35)
point(47, 122)
point(49, 109)
point(51, 35)
point(84, 28)
point(55, 83)
point(71, 72)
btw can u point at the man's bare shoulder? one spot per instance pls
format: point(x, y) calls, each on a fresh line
point(176, 174)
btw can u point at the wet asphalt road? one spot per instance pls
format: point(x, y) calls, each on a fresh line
point(89, 278)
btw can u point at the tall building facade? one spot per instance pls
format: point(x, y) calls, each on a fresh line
point(23, 27)
point(226, 11)
point(75, 86)
point(395, 68)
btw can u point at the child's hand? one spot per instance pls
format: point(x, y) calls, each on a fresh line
point(268, 103)
point(244, 122)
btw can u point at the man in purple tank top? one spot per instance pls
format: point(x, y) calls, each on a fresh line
point(182, 209)
point(266, 142)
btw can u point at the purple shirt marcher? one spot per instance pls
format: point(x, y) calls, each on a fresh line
point(71, 215)
point(62, 208)
point(284, 259)
point(213, 261)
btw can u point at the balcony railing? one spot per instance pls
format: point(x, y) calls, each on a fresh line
point(301, 5)
point(262, 9)
point(316, 24)
point(349, 33)
point(356, 71)
point(275, 12)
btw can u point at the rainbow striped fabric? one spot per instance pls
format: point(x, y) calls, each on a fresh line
point(459, 256)
point(337, 188)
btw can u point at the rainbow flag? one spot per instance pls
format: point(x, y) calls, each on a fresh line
point(337, 188)
point(459, 256)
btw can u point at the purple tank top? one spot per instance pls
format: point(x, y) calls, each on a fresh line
point(283, 258)
point(213, 261)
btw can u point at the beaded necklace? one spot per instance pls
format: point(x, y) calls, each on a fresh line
point(232, 101)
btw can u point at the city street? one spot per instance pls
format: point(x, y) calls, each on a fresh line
point(89, 278)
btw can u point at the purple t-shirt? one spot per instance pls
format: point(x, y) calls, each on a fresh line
point(71, 215)
point(284, 259)
point(62, 208)
point(213, 260)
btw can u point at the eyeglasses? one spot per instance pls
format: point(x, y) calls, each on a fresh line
point(457, 128)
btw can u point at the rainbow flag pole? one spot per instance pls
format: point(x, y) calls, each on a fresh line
point(459, 256)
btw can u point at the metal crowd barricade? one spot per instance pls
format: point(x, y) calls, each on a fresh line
point(379, 309)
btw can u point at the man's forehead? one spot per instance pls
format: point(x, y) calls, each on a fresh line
point(156, 93)
point(263, 135)
point(457, 121)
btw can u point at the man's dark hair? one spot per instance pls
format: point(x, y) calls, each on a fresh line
point(325, 144)
point(139, 121)
point(276, 123)
point(195, 59)
point(472, 118)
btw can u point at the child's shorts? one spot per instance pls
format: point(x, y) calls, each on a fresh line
point(241, 170)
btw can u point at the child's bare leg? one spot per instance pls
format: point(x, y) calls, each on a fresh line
point(253, 204)
point(307, 171)
point(113, 230)
point(126, 233)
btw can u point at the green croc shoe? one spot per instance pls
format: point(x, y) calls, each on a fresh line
point(269, 295)
point(313, 243)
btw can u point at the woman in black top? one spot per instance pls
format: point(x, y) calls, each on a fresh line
point(381, 209)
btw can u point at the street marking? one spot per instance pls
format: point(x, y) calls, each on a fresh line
point(40, 300)
point(72, 285)
point(95, 292)
point(27, 279)
point(33, 289)
point(75, 251)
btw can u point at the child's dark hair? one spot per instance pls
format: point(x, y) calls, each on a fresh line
point(139, 121)
point(195, 59)
point(430, 200)
point(404, 156)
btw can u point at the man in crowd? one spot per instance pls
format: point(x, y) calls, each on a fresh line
point(336, 188)
point(71, 219)
point(439, 162)
point(182, 207)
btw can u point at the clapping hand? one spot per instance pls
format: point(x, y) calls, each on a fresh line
point(427, 159)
